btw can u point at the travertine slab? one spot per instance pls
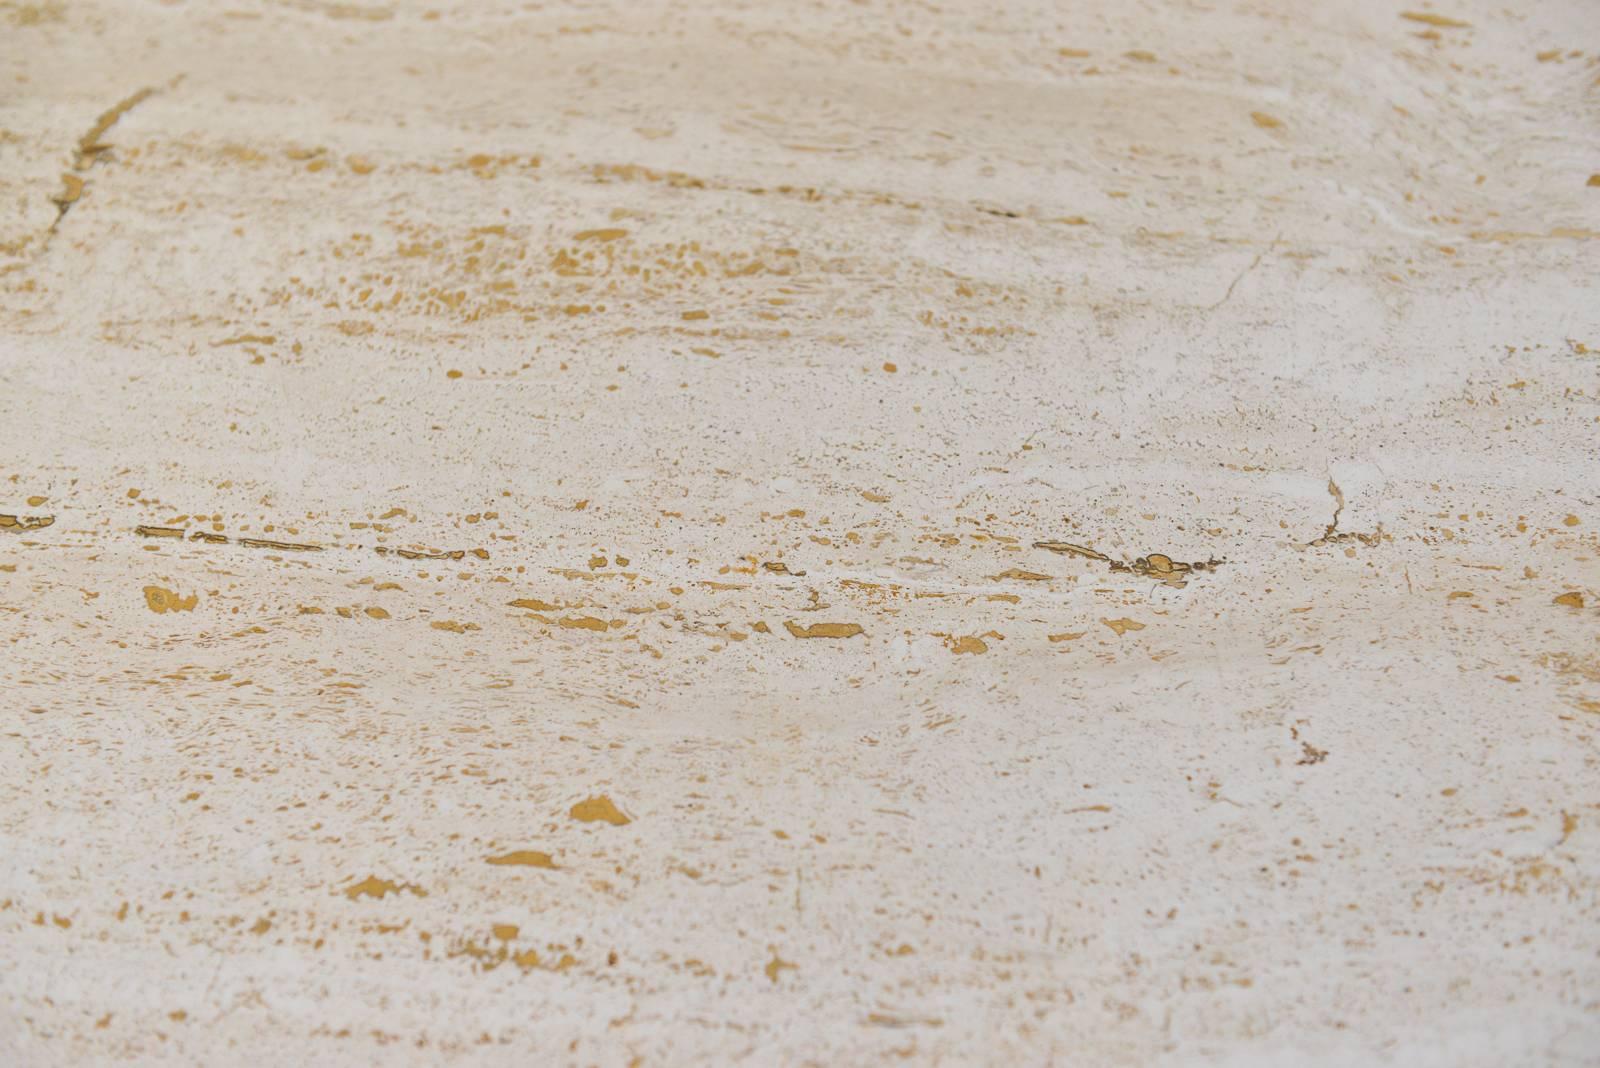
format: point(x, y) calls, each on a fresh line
point(519, 533)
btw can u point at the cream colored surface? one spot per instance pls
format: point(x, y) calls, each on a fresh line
point(672, 397)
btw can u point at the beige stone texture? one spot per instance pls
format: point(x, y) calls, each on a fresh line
point(821, 532)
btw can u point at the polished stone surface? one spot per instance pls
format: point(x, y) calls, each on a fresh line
point(808, 533)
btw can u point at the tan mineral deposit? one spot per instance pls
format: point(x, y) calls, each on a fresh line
point(824, 532)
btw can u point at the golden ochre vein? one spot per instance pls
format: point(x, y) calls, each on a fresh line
point(19, 523)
